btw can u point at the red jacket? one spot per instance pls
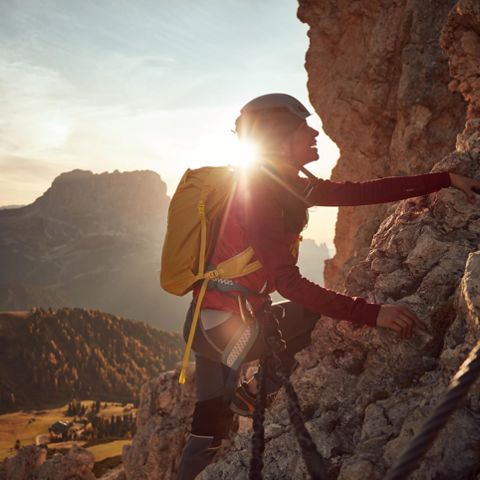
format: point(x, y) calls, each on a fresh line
point(256, 218)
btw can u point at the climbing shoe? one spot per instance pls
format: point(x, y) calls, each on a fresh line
point(243, 402)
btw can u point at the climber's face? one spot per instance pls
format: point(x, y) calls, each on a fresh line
point(304, 145)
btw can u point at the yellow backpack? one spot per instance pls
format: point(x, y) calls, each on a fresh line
point(195, 214)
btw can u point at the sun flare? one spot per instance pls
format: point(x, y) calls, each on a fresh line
point(222, 150)
point(244, 155)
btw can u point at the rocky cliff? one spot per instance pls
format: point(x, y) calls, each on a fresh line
point(91, 240)
point(378, 79)
point(31, 462)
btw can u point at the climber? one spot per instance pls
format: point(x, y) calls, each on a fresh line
point(268, 212)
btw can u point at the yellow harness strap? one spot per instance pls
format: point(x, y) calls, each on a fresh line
point(203, 237)
point(188, 348)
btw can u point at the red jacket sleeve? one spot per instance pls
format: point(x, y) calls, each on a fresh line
point(389, 189)
point(266, 234)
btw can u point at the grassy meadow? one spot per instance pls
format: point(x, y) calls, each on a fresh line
point(26, 425)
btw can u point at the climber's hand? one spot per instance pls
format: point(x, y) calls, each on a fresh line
point(467, 185)
point(400, 319)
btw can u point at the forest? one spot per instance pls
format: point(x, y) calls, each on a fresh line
point(49, 356)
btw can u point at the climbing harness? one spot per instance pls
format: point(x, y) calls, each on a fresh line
point(458, 389)
point(312, 458)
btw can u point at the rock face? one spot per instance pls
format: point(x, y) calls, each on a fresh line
point(163, 424)
point(365, 392)
point(30, 462)
point(378, 79)
point(163, 420)
point(461, 42)
point(92, 240)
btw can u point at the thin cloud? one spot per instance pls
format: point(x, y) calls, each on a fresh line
point(18, 169)
point(22, 179)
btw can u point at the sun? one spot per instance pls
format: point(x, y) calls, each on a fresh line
point(244, 154)
point(224, 149)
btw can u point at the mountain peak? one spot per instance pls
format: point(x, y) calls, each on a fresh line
point(87, 175)
point(117, 200)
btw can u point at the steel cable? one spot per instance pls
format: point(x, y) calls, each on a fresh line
point(457, 390)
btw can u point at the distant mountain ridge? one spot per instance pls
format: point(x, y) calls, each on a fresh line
point(311, 259)
point(49, 356)
point(93, 240)
point(6, 207)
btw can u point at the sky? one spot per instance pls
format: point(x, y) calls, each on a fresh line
point(125, 85)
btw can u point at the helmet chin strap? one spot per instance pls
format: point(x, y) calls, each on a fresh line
point(309, 175)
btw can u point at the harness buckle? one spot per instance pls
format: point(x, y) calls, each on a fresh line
point(212, 274)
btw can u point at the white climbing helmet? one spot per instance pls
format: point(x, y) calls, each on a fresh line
point(273, 101)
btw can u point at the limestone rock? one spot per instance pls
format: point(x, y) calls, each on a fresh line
point(462, 43)
point(163, 421)
point(24, 462)
point(379, 81)
point(77, 463)
point(31, 463)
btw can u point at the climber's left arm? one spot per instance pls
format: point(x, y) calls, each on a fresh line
point(389, 189)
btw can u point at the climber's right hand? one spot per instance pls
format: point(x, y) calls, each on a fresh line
point(400, 319)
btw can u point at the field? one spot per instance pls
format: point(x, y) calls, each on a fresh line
point(108, 450)
point(26, 425)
